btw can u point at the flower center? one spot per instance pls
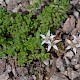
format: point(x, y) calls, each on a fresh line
point(47, 38)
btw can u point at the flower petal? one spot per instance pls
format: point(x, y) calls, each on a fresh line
point(74, 41)
point(48, 33)
point(68, 41)
point(43, 42)
point(74, 49)
point(69, 47)
point(78, 38)
point(48, 42)
point(49, 47)
point(56, 41)
point(43, 36)
point(55, 47)
point(52, 36)
point(74, 36)
point(78, 45)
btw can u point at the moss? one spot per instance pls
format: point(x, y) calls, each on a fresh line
point(20, 35)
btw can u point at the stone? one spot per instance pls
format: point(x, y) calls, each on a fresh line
point(78, 78)
point(58, 76)
point(69, 24)
point(74, 31)
point(76, 14)
point(26, 3)
point(75, 60)
point(78, 6)
point(69, 54)
point(77, 66)
point(60, 64)
point(73, 2)
point(73, 75)
point(18, 1)
point(13, 65)
point(9, 7)
point(8, 1)
point(22, 78)
point(14, 2)
point(2, 65)
point(67, 61)
point(10, 79)
point(78, 51)
point(21, 70)
point(1, 1)
point(8, 68)
point(34, 77)
point(4, 77)
point(16, 9)
point(65, 73)
point(78, 26)
point(46, 62)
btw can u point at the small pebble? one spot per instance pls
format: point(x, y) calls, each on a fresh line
point(69, 54)
point(77, 66)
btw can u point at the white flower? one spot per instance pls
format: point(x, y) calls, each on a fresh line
point(74, 44)
point(53, 44)
point(50, 40)
point(47, 38)
point(76, 39)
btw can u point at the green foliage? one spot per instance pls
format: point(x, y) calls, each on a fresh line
point(54, 14)
point(20, 35)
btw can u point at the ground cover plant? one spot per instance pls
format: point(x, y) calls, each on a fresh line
point(20, 34)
